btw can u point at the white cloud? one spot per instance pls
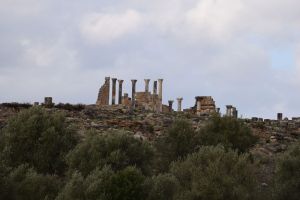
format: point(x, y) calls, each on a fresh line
point(106, 27)
point(215, 18)
point(52, 55)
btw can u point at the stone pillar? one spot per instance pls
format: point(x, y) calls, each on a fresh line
point(234, 112)
point(120, 90)
point(133, 92)
point(198, 105)
point(160, 82)
point(179, 100)
point(113, 96)
point(170, 105)
point(279, 116)
point(229, 110)
point(155, 87)
point(48, 102)
point(147, 81)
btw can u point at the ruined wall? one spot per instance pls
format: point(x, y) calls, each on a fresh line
point(205, 105)
point(148, 101)
point(103, 95)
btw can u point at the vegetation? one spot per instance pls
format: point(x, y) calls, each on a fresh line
point(287, 174)
point(229, 132)
point(42, 157)
point(39, 139)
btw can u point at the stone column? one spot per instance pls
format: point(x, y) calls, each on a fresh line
point(160, 82)
point(133, 92)
point(179, 100)
point(155, 87)
point(198, 105)
point(48, 102)
point(228, 110)
point(170, 105)
point(120, 90)
point(113, 96)
point(234, 112)
point(147, 81)
point(279, 116)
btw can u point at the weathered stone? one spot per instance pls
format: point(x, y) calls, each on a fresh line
point(113, 96)
point(133, 90)
point(147, 81)
point(103, 95)
point(120, 91)
point(179, 103)
point(48, 102)
point(279, 116)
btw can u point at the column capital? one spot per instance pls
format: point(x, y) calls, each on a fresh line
point(120, 81)
point(160, 80)
point(107, 78)
point(114, 79)
point(179, 99)
point(133, 80)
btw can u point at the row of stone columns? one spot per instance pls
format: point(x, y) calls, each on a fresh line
point(156, 84)
point(231, 111)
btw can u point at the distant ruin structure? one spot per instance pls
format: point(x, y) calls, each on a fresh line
point(204, 105)
point(103, 95)
point(145, 100)
point(231, 111)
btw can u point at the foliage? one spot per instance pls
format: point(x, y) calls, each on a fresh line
point(177, 142)
point(162, 187)
point(70, 107)
point(105, 184)
point(287, 174)
point(38, 138)
point(16, 105)
point(24, 183)
point(229, 132)
point(214, 173)
point(116, 149)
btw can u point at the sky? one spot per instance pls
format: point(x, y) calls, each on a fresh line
point(240, 52)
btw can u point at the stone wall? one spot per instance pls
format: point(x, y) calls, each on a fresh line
point(204, 105)
point(103, 95)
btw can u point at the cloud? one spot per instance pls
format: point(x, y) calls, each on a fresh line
point(106, 27)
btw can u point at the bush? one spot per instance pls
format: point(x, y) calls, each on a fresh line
point(162, 187)
point(229, 132)
point(25, 183)
point(213, 173)
point(287, 174)
point(105, 185)
point(117, 149)
point(38, 138)
point(70, 107)
point(177, 142)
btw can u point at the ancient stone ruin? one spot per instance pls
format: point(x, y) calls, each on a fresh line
point(103, 95)
point(139, 100)
point(153, 101)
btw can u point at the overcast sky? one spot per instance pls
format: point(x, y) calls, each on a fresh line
point(241, 52)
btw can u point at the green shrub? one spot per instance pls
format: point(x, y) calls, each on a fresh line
point(162, 187)
point(229, 132)
point(179, 140)
point(26, 184)
point(105, 184)
point(214, 173)
point(287, 174)
point(116, 149)
point(38, 138)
